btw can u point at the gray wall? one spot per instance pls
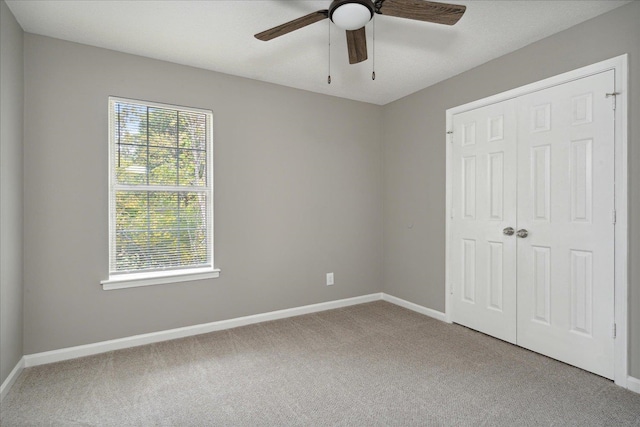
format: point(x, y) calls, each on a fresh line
point(414, 154)
point(298, 193)
point(11, 116)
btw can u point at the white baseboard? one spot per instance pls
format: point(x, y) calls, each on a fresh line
point(438, 315)
point(13, 376)
point(187, 331)
point(154, 337)
point(633, 384)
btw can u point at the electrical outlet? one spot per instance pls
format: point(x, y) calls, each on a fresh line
point(329, 279)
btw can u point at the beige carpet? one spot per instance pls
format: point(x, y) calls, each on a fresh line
point(366, 365)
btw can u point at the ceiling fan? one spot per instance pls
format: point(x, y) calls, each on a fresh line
point(353, 15)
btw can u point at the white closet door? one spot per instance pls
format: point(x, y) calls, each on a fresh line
point(483, 205)
point(566, 202)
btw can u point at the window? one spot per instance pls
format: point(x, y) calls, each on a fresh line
point(160, 194)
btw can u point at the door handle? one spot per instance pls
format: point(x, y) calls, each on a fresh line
point(522, 233)
point(508, 231)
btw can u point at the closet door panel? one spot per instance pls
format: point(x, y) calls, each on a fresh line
point(483, 262)
point(565, 264)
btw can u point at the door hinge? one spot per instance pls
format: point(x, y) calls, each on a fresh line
point(450, 133)
point(613, 96)
point(451, 288)
point(614, 216)
point(451, 212)
point(613, 330)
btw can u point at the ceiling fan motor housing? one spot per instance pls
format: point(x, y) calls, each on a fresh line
point(351, 14)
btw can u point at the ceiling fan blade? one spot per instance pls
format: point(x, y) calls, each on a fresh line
point(357, 45)
point(296, 24)
point(421, 10)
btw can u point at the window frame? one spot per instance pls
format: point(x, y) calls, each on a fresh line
point(122, 280)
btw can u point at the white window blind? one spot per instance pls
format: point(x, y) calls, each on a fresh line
point(161, 196)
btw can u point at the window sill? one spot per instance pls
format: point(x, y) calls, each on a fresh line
point(149, 279)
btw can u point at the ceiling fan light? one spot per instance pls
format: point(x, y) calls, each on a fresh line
point(351, 16)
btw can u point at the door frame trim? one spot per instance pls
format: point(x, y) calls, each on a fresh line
point(620, 66)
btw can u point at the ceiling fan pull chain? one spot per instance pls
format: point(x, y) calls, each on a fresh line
point(329, 73)
point(373, 72)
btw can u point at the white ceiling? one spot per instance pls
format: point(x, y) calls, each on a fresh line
point(218, 35)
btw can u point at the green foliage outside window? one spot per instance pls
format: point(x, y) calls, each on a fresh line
point(161, 193)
